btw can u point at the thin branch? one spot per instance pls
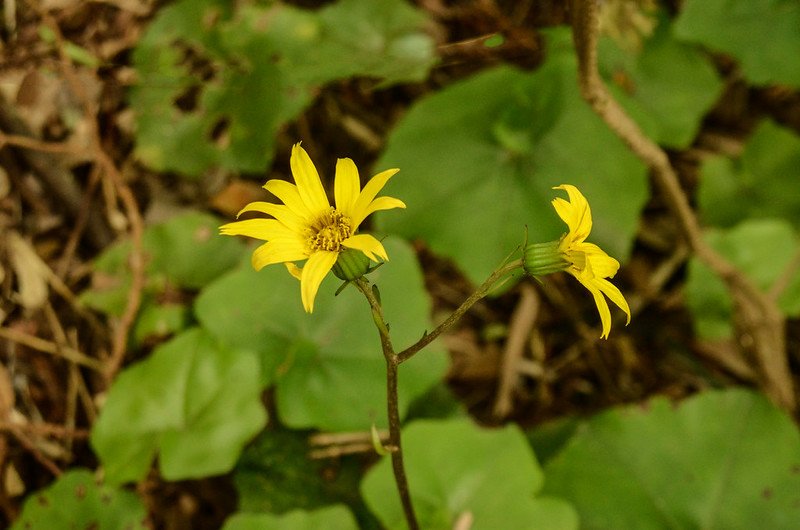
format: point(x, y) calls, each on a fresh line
point(519, 330)
point(120, 340)
point(760, 320)
point(45, 346)
point(44, 429)
point(479, 293)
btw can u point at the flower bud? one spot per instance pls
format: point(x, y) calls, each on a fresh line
point(351, 265)
point(539, 259)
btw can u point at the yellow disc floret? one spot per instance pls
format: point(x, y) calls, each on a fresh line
point(328, 231)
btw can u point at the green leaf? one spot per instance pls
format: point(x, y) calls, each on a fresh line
point(328, 367)
point(216, 87)
point(762, 250)
point(381, 39)
point(726, 460)
point(487, 151)
point(666, 88)
point(160, 321)
point(764, 35)
point(457, 469)
point(549, 438)
point(111, 281)
point(275, 474)
point(332, 518)
point(185, 251)
point(757, 184)
point(192, 402)
point(77, 500)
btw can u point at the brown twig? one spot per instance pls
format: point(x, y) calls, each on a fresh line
point(518, 332)
point(39, 155)
point(125, 194)
point(45, 346)
point(760, 321)
point(44, 429)
point(334, 445)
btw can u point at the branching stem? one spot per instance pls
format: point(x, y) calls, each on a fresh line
point(393, 361)
point(479, 293)
point(392, 403)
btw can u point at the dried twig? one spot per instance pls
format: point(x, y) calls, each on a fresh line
point(760, 322)
point(39, 155)
point(44, 429)
point(45, 346)
point(522, 322)
point(125, 195)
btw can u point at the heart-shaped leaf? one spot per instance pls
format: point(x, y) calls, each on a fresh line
point(78, 500)
point(193, 403)
point(764, 35)
point(721, 460)
point(480, 158)
point(458, 471)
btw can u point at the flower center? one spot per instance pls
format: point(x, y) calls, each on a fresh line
point(328, 231)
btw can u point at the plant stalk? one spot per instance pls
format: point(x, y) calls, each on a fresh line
point(392, 403)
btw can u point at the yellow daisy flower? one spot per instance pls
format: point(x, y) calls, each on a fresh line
point(587, 262)
point(307, 227)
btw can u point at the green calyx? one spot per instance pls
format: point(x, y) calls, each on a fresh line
point(351, 265)
point(539, 259)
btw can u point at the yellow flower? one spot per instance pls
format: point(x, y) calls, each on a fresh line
point(587, 262)
point(307, 227)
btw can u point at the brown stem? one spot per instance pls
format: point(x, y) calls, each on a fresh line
point(760, 321)
point(392, 403)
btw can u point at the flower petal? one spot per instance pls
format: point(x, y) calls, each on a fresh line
point(314, 271)
point(371, 189)
point(277, 251)
point(265, 229)
point(576, 213)
point(605, 313)
point(600, 302)
point(294, 270)
point(307, 179)
point(368, 245)
point(280, 212)
point(346, 185)
point(290, 196)
point(602, 265)
point(381, 203)
point(614, 294)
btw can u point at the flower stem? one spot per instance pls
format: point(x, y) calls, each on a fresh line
point(392, 403)
point(479, 293)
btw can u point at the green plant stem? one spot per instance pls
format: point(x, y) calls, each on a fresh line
point(392, 403)
point(479, 293)
point(393, 361)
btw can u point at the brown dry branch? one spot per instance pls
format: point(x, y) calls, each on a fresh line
point(40, 157)
point(45, 346)
point(44, 429)
point(124, 194)
point(522, 322)
point(760, 324)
